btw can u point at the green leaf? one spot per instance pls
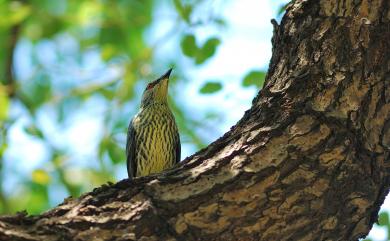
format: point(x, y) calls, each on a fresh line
point(211, 87)
point(108, 51)
point(37, 197)
point(40, 176)
point(255, 78)
point(51, 26)
point(88, 12)
point(34, 131)
point(112, 35)
point(4, 103)
point(3, 147)
point(14, 13)
point(383, 219)
point(211, 45)
point(116, 153)
point(188, 45)
point(103, 146)
point(107, 93)
point(220, 21)
point(125, 91)
point(37, 92)
point(207, 50)
point(282, 8)
point(200, 54)
point(183, 10)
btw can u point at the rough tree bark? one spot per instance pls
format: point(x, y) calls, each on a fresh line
point(308, 161)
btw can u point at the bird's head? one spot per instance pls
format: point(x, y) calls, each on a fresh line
point(156, 91)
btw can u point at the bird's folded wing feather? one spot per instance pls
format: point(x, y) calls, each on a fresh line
point(178, 149)
point(130, 151)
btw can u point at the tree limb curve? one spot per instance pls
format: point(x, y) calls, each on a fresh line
point(308, 161)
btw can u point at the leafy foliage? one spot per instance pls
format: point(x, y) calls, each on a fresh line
point(83, 61)
point(188, 45)
point(384, 219)
point(211, 87)
point(255, 78)
point(4, 103)
point(202, 53)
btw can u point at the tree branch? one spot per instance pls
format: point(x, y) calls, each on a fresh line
point(308, 161)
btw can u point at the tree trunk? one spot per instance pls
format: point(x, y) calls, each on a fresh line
point(308, 161)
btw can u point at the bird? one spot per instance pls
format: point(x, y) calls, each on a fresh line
point(153, 140)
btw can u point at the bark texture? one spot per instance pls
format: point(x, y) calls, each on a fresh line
point(308, 161)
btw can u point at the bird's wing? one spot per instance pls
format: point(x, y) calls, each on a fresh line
point(178, 149)
point(130, 151)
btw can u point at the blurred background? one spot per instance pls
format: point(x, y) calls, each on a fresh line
point(72, 73)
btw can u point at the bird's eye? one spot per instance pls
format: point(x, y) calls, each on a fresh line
point(150, 86)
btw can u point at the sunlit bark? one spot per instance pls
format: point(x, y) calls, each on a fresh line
point(308, 161)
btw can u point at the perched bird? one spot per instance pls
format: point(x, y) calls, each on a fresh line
point(153, 142)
